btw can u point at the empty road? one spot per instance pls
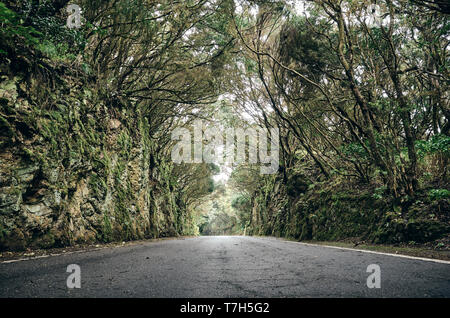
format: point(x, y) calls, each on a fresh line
point(224, 266)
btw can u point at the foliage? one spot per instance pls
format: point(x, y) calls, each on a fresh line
point(436, 144)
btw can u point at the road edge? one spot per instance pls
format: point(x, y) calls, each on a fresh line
point(365, 251)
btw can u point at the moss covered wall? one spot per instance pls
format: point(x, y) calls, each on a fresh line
point(75, 166)
point(333, 210)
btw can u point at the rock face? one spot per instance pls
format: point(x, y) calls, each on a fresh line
point(73, 169)
point(326, 212)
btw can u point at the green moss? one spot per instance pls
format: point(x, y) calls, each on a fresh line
point(124, 142)
point(124, 198)
point(106, 231)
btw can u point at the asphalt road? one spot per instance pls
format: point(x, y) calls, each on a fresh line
point(224, 266)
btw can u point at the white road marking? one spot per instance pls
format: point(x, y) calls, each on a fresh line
point(375, 252)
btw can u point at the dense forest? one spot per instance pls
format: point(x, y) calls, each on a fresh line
point(91, 92)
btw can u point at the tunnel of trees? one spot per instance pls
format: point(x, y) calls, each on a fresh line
point(358, 91)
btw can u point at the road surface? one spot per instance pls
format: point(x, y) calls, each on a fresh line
point(224, 266)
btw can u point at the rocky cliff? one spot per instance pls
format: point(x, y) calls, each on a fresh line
point(77, 166)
